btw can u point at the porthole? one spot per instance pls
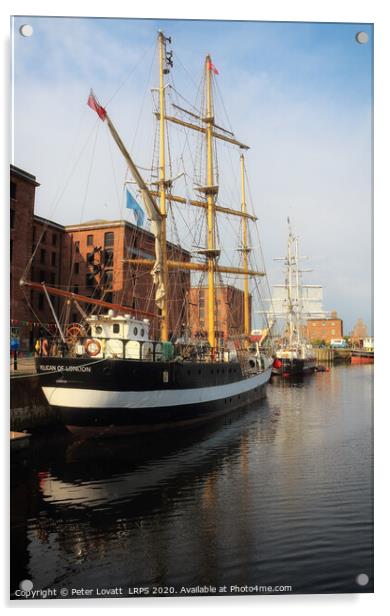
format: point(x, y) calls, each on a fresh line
point(135, 331)
point(115, 328)
point(142, 333)
point(98, 329)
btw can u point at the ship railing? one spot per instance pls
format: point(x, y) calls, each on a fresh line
point(140, 350)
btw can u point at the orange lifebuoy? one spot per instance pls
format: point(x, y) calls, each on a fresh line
point(45, 347)
point(94, 343)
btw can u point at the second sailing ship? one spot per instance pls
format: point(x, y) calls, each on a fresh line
point(294, 356)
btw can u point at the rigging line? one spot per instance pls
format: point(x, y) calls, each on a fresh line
point(70, 156)
point(29, 304)
point(186, 132)
point(186, 100)
point(178, 60)
point(110, 149)
point(84, 199)
point(133, 68)
point(257, 232)
point(138, 124)
point(144, 98)
point(220, 97)
point(92, 132)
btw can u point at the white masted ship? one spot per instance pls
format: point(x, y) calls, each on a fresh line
point(294, 354)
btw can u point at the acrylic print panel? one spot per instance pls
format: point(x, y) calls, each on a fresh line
point(190, 416)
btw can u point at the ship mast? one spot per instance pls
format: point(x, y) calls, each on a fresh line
point(210, 191)
point(289, 287)
point(211, 131)
point(245, 251)
point(298, 294)
point(162, 191)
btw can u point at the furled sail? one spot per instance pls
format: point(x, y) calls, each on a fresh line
point(151, 206)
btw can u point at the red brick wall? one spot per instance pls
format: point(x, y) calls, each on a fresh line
point(229, 318)
point(131, 285)
point(22, 198)
point(46, 265)
point(324, 329)
point(58, 263)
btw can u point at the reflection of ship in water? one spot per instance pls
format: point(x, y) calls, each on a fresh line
point(101, 497)
point(105, 474)
point(294, 380)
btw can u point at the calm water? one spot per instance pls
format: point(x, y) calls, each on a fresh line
point(280, 494)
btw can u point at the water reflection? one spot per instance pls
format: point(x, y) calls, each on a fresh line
point(276, 494)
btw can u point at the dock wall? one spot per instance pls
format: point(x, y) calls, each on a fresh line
point(332, 356)
point(29, 408)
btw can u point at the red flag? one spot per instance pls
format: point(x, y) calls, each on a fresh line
point(92, 102)
point(213, 68)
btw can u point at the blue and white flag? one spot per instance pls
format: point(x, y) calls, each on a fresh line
point(132, 204)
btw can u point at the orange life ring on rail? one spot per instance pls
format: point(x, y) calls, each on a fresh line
point(96, 347)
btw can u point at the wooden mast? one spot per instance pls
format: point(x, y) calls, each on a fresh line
point(245, 252)
point(162, 192)
point(210, 191)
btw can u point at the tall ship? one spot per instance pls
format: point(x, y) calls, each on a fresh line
point(293, 303)
point(120, 368)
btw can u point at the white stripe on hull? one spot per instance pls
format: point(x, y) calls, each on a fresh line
point(94, 398)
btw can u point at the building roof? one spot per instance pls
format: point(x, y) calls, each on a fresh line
point(22, 174)
point(49, 223)
point(105, 224)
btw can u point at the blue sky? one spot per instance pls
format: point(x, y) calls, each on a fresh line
point(299, 94)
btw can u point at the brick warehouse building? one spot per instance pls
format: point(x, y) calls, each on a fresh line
point(319, 330)
point(94, 260)
point(229, 317)
point(86, 259)
point(22, 201)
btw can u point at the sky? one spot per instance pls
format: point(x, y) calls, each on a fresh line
point(300, 94)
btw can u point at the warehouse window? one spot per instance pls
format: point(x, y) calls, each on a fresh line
point(109, 239)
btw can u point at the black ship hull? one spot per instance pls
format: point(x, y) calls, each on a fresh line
point(293, 367)
point(125, 396)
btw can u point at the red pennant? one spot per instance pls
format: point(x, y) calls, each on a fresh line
point(213, 68)
point(92, 102)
